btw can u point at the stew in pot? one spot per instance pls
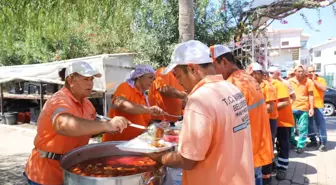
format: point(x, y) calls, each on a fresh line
point(114, 166)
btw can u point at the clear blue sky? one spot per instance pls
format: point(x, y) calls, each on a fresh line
point(327, 28)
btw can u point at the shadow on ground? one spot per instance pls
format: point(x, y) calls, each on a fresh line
point(296, 174)
point(331, 127)
point(11, 169)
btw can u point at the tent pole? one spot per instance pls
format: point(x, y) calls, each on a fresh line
point(1, 100)
point(105, 104)
point(41, 98)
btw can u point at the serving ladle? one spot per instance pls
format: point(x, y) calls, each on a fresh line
point(155, 130)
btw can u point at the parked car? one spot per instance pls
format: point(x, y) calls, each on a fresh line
point(329, 102)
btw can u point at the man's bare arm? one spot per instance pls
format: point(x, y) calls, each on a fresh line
point(311, 99)
point(70, 125)
point(269, 106)
point(292, 98)
point(173, 159)
point(282, 103)
point(171, 92)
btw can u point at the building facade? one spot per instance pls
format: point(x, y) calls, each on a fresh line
point(323, 56)
point(288, 48)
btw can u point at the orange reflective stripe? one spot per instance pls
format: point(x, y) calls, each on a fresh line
point(257, 104)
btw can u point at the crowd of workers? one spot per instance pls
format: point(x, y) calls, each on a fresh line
point(233, 119)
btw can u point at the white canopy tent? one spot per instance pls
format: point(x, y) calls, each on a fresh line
point(115, 68)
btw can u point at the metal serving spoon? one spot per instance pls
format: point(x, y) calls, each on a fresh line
point(131, 124)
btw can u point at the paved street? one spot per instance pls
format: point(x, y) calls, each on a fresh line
point(311, 167)
point(15, 147)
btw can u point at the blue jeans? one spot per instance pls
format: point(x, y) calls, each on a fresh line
point(258, 176)
point(320, 125)
point(29, 181)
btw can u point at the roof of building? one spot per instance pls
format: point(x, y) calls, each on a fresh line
point(331, 40)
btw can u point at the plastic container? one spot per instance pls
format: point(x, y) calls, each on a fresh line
point(11, 118)
point(3, 120)
point(21, 117)
point(34, 114)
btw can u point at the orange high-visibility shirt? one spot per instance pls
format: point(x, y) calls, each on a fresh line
point(270, 95)
point(285, 118)
point(301, 90)
point(134, 95)
point(48, 171)
point(172, 106)
point(318, 93)
point(260, 127)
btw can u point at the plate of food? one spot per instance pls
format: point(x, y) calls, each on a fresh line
point(145, 146)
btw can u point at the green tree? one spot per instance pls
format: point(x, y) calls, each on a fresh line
point(46, 30)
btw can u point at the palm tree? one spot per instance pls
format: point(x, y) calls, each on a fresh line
point(186, 20)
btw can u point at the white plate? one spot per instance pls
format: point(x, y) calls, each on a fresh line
point(138, 145)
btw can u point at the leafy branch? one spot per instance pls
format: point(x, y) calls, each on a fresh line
point(277, 10)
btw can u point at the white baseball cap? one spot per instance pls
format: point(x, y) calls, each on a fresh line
point(82, 68)
point(218, 50)
point(189, 52)
point(256, 66)
point(273, 69)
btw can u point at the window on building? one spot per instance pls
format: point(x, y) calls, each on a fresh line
point(334, 52)
point(285, 43)
point(317, 53)
point(318, 67)
point(304, 61)
point(303, 44)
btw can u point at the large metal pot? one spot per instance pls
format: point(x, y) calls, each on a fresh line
point(105, 149)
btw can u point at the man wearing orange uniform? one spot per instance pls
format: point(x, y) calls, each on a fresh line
point(131, 102)
point(285, 122)
point(303, 106)
point(66, 122)
point(320, 86)
point(269, 92)
point(167, 94)
point(215, 141)
point(226, 64)
point(275, 73)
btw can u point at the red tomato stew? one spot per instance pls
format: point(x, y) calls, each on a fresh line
point(114, 166)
